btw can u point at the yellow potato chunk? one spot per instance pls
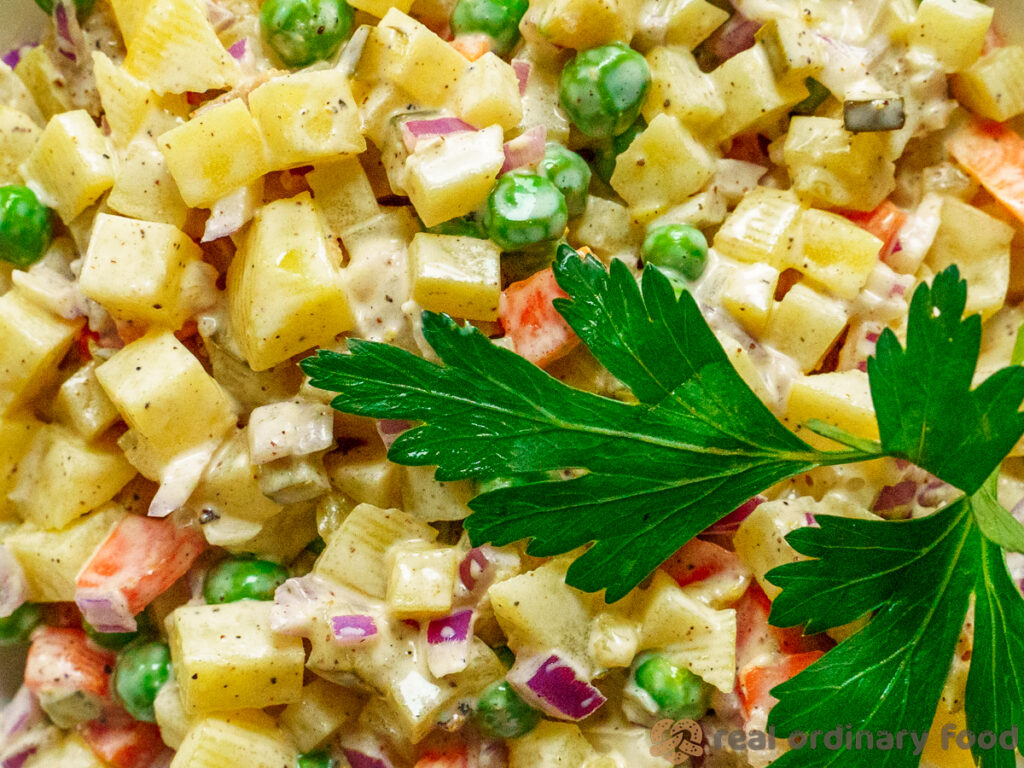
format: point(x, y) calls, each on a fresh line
point(457, 275)
point(836, 253)
point(41, 77)
point(126, 100)
point(174, 49)
point(690, 22)
point(379, 8)
point(34, 342)
point(215, 153)
point(954, 30)
point(418, 61)
point(993, 86)
point(226, 657)
point(551, 744)
point(18, 135)
point(322, 710)
point(488, 94)
point(804, 325)
point(452, 175)
point(15, 95)
point(83, 405)
point(248, 738)
point(144, 188)
point(679, 88)
point(762, 228)
point(841, 398)
point(62, 477)
point(71, 164)
point(421, 581)
point(343, 192)
point(135, 270)
point(583, 24)
point(154, 380)
point(285, 287)
point(365, 474)
point(794, 50)
point(663, 166)
point(307, 116)
point(15, 437)
point(748, 295)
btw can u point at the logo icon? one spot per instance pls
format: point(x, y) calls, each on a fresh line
point(676, 740)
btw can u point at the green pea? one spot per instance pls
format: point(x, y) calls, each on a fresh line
point(569, 172)
point(19, 625)
point(523, 209)
point(319, 759)
point(498, 19)
point(24, 226)
point(115, 641)
point(603, 88)
point(82, 7)
point(501, 713)
point(304, 31)
point(676, 690)
point(608, 151)
point(243, 578)
point(676, 248)
point(139, 674)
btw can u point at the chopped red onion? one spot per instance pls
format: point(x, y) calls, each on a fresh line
point(353, 629)
point(895, 498)
point(390, 429)
point(106, 610)
point(735, 36)
point(20, 714)
point(17, 752)
point(363, 752)
point(13, 56)
point(522, 69)
point(69, 38)
point(13, 584)
point(473, 567)
point(525, 150)
point(811, 520)
point(732, 521)
point(299, 605)
point(414, 130)
point(238, 49)
point(489, 754)
point(448, 643)
point(555, 686)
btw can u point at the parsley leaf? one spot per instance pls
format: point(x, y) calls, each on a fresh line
point(698, 444)
point(926, 410)
point(998, 525)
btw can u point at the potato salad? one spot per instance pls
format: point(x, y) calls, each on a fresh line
point(211, 567)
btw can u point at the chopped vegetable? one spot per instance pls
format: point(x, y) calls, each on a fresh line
point(556, 686)
point(243, 578)
point(501, 712)
point(525, 151)
point(448, 643)
point(140, 673)
point(122, 742)
point(531, 321)
point(13, 584)
point(884, 222)
point(677, 249)
point(68, 674)
point(318, 759)
point(82, 7)
point(608, 151)
point(818, 94)
point(873, 115)
point(602, 89)
point(676, 690)
point(301, 32)
point(353, 629)
point(24, 226)
point(569, 172)
point(115, 641)
point(993, 153)
point(756, 683)
point(19, 625)
point(498, 19)
point(523, 209)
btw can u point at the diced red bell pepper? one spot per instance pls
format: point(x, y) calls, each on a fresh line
point(698, 560)
point(139, 560)
point(756, 683)
point(453, 757)
point(121, 741)
point(885, 223)
point(753, 628)
point(538, 332)
point(69, 674)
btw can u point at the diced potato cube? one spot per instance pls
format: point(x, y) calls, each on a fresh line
point(551, 744)
point(421, 581)
point(761, 538)
point(18, 135)
point(419, 61)
point(488, 94)
point(663, 166)
point(343, 192)
point(83, 405)
point(282, 537)
point(135, 270)
point(752, 95)
point(691, 22)
point(355, 554)
point(954, 30)
point(15, 95)
point(993, 86)
point(154, 380)
point(452, 175)
point(71, 164)
point(365, 474)
point(175, 49)
point(41, 76)
point(748, 295)
point(583, 24)
point(432, 500)
point(804, 325)
point(227, 657)
point(215, 153)
point(698, 636)
point(294, 479)
point(763, 228)
point(241, 738)
point(144, 188)
point(841, 398)
point(379, 8)
point(457, 275)
point(794, 50)
point(16, 434)
point(126, 100)
point(34, 341)
point(322, 710)
point(62, 477)
point(606, 228)
point(128, 14)
point(72, 752)
point(835, 167)
point(679, 88)
point(979, 245)
point(836, 253)
point(305, 117)
point(230, 487)
point(52, 559)
point(285, 285)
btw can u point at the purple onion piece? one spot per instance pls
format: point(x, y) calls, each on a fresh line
point(894, 499)
point(448, 643)
point(299, 605)
point(353, 629)
point(473, 567)
point(20, 714)
point(359, 759)
point(107, 611)
point(525, 150)
point(68, 33)
point(16, 752)
point(811, 520)
point(390, 429)
point(414, 130)
point(555, 686)
point(13, 584)
point(451, 629)
point(522, 69)
point(13, 57)
point(238, 49)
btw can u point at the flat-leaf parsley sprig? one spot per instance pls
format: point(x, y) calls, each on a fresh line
point(697, 444)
